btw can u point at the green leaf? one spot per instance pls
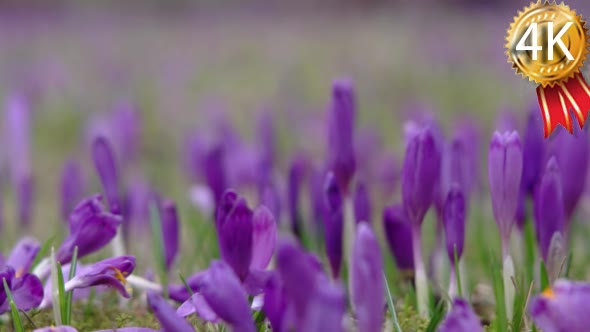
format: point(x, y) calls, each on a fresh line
point(55, 293)
point(501, 322)
point(391, 306)
point(188, 288)
point(16, 321)
point(43, 252)
point(568, 264)
point(520, 302)
point(70, 294)
point(61, 293)
point(436, 317)
point(158, 241)
point(457, 272)
point(259, 318)
point(529, 250)
point(544, 276)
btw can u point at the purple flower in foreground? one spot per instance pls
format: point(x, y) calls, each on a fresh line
point(333, 223)
point(368, 294)
point(23, 254)
point(72, 187)
point(341, 123)
point(62, 328)
point(548, 207)
point(326, 308)
point(362, 203)
point(27, 290)
point(166, 315)
point(264, 237)
point(563, 308)
point(224, 294)
point(91, 228)
point(106, 167)
point(275, 303)
point(420, 175)
point(398, 233)
point(572, 154)
point(504, 174)
point(170, 232)
point(235, 232)
point(454, 222)
point(111, 272)
point(461, 318)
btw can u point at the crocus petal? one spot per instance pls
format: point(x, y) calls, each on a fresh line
point(333, 223)
point(265, 237)
point(72, 187)
point(533, 150)
point(7, 273)
point(62, 328)
point(563, 308)
point(202, 198)
point(270, 197)
point(341, 125)
point(170, 231)
point(106, 167)
point(109, 272)
point(235, 238)
point(326, 309)
point(454, 222)
point(420, 174)
point(460, 319)
point(179, 293)
point(223, 291)
point(215, 172)
point(27, 292)
point(398, 233)
point(197, 304)
point(166, 315)
point(275, 303)
point(368, 294)
point(23, 254)
point(362, 203)
point(25, 191)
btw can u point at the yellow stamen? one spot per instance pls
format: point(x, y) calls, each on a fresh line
point(20, 272)
point(548, 293)
point(119, 275)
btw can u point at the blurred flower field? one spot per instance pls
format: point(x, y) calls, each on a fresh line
point(312, 172)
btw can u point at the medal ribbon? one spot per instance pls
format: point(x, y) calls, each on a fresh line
point(557, 101)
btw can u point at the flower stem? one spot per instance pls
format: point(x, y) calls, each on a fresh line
point(144, 284)
point(509, 289)
point(420, 280)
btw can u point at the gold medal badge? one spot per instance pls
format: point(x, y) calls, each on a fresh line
point(548, 44)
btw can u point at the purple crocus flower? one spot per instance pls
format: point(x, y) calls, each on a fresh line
point(24, 192)
point(224, 294)
point(170, 232)
point(368, 294)
point(362, 203)
point(264, 240)
point(166, 315)
point(236, 236)
point(91, 228)
point(549, 210)
point(106, 167)
point(275, 303)
point(461, 318)
point(61, 328)
point(295, 179)
point(504, 174)
point(454, 221)
point(111, 272)
point(326, 308)
point(469, 133)
point(341, 123)
point(267, 139)
point(333, 223)
point(562, 308)
point(316, 194)
point(215, 172)
point(571, 153)
point(126, 124)
point(23, 254)
point(398, 233)
point(533, 150)
point(72, 187)
point(27, 290)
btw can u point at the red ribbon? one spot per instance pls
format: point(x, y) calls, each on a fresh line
point(557, 101)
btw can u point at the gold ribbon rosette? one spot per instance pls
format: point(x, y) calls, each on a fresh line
point(548, 44)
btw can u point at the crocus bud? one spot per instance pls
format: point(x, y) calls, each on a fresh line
point(126, 124)
point(533, 150)
point(461, 318)
point(72, 187)
point(454, 221)
point(264, 237)
point(224, 294)
point(170, 232)
point(166, 315)
point(111, 272)
point(571, 153)
point(368, 294)
point(333, 223)
point(420, 174)
point(214, 171)
point(564, 307)
point(398, 233)
point(548, 207)
point(469, 133)
point(504, 175)
point(89, 231)
point(106, 167)
point(23, 254)
point(341, 123)
point(235, 238)
point(362, 203)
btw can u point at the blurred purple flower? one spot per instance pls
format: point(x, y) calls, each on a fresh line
point(236, 235)
point(333, 223)
point(106, 167)
point(341, 127)
point(170, 231)
point(368, 294)
point(275, 303)
point(504, 174)
point(64, 328)
point(111, 272)
point(26, 290)
point(571, 153)
point(563, 308)
point(398, 233)
point(362, 203)
point(326, 308)
point(266, 139)
point(548, 207)
point(454, 222)
point(166, 315)
point(507, 121)
point(24, 192)
point(316, 197)
point(270, 197)
point(297, 172)
point(91, 228)
point(264, 237)
point(215, 172)
point(126, 126)
point(461, 318)
point(139, 196)
point(388, 174)
point(469, 133)
point(533, 150)
point(22, 255)
point(72, 187)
